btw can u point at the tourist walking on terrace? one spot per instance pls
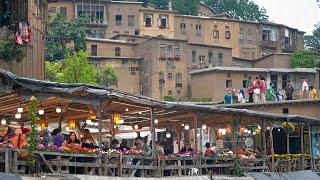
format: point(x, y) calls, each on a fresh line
point(256, 90)
point(289, 91)
point(313, 93)
point(228, 97)
point(304, 89)
point(271, 95)
point(263, 89)
point(241, 97)
point(250, 89)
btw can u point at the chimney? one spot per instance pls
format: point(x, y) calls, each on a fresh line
point(170, 5)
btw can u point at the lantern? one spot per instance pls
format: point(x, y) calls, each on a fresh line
point(168, 135)
point(72, 124)
point(136, 126)
point(116, 118)
point(41, 111)
point(58, 109)
point(127, 109)
point(156, 121)
point(186, 127)
point(17, 116)
point(3, 121)
point(20, 109)
point(204, 126)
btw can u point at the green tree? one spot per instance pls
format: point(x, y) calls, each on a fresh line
point(53, 70)
point(108, 76)
point(77, 69)
point(160, 4)
point(313, 41)
point(187, 7)
point(240, 9)
point(303, 59)
point(61, 32)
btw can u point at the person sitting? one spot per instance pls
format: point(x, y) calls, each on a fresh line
point(187, 148)
point(258, 152)
point(46, 138)
point(141, 145)
point(313, 93)
point(160, 150)
point(114, 144)
point(87, 140)
point(20, 140)
point(57, 138)
point(73, 141)
point(124, 145)
point(208, 151)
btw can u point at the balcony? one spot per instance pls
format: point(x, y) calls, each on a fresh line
point(179, 84)
point(287, 48)
point(101, 22)
point(269, 44)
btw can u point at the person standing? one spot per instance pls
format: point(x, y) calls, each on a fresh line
point(250, 89)
point(313, 93)
point(263, 88)
point(289, 91)
point(256, 90)
point(241, 98)
point(271, 93)
point(304, 89)
point(228, 97)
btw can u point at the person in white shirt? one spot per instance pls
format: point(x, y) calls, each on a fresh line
point(304, 89)
point(241, 98)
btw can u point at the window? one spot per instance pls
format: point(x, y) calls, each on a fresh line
point(215, 26)
point(133, 70)
point(220, 58)
point(118, 20)
point(94, 50)
point(95, 33)
point(241, 36)
point(284, 81)
point(194, 54)
point(96, 12)
point(201, 59)
point(170, 64)
point(148, 20)
point(131, 20)
point(178, 80)
point(176, 51)
point(228, 35)
point(227, 28)
point(63, 11)
point(287, 38)
point(169, 92)
point(117, 51)
point(253, 56)
point(163, 21)
point(170, 76)
point(245, 76)
point(170, 50)
point(161, 79)
point(210, 55)
point(124, 61)
point(228, 75)
point(269, 34)
point(182, 26)
point(136, 32)
point(162, 51)
point(228, 83)
point(198, 27)
point(52, 10)
point(216, 34)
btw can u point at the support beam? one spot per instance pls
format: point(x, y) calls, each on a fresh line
point(310, 141)
point(196, 144)
point(302, 145)
point(272, 149)
point(264, 142)
point(153, 133)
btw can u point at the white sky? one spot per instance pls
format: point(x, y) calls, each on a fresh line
point(300, 14)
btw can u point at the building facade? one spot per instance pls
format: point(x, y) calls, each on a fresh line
point(30, 17)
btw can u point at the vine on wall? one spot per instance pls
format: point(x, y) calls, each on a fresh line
point(32, 137)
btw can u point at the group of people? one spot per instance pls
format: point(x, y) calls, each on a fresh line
point(258, 91)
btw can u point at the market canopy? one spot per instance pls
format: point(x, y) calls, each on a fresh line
point(78, 101)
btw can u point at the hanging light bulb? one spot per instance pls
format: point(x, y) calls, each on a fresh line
point(88, 121)
point(140, 112)
point(3, 121)
point(20, 109)
point(182, 124)
point(254, 133)
point(245, 131)
point(278, 129)
point(168, 135)
point(39, 128)
point(17, 116)
point(67, 128)
point(127, 109)
point(249, 132)
point(58, 109)
point(156, 121)
point(41, 111)
point(136, 126)
point(268, 127)
point(204, 126)
point(186, 127)
point(259, 127)
point(223, 132)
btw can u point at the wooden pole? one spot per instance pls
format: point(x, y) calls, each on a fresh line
point(153, 133)
point(264, 142)
point(310, 139)
point(195, 121)
point(272, 149)
point(301, 144)
point(288, 141)
point(234, 148)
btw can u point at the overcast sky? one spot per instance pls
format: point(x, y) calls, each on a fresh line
point(300, 14)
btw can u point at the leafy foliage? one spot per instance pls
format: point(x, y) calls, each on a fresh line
point(236, 170)
point(5, 13)
point(240, 9)
point(313, 41)
point(187, 7)
point(32, 137)
point(62, 32)
point(108, 76)
point(169, 98)
point(53, 70)
point(10, 51)
point(303, 59)
point(160, 4)
point(77, 69)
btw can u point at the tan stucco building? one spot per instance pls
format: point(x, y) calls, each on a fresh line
point(34, 14)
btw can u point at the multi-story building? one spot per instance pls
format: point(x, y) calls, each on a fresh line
point(26, 26)
point(154, 50)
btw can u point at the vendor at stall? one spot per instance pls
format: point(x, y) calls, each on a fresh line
point(73, 141)
point(141, 145)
